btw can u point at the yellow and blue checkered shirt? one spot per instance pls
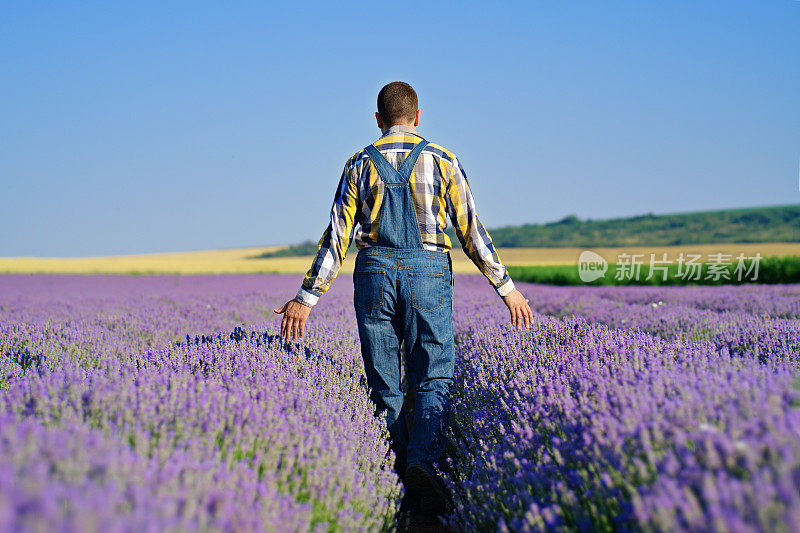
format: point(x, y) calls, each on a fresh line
point(440, 192)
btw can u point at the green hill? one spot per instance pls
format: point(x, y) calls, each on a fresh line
point(759, 224)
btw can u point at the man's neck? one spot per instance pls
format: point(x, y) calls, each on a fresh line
point(401, 127)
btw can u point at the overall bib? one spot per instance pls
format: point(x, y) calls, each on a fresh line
point(404, 292)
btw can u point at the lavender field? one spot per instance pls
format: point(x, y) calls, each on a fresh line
point(169, 403)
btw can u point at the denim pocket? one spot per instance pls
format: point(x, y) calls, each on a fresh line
point(427, 290)
point(368, 288)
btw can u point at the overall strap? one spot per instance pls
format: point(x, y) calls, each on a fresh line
point(387, 172)
point(411, 159)
point(397, 226)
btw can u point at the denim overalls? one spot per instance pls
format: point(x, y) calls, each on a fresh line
point(404, 292)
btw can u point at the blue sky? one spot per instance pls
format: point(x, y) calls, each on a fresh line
point(165, 126)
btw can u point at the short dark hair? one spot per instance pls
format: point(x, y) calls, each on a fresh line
point(397, 102)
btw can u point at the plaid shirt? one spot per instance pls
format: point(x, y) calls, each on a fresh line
point(440, 191)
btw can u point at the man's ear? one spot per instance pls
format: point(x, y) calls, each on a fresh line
point(380, 120)
point(416, 119)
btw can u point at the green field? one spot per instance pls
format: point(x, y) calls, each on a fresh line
point(773, 269)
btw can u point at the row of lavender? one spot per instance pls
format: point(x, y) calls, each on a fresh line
point(762, 322)
point(617, 413)
point(635, 409)
point(135, 404)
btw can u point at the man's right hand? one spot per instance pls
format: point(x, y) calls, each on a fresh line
point(521, 313)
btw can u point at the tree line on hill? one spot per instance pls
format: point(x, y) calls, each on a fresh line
point(760, 224)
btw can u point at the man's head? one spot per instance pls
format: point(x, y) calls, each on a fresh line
point(397, 104)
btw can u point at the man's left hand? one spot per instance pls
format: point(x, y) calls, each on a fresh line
point(295, 315)
point(521, 314)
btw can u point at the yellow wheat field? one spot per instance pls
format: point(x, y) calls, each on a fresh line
point(241, 260)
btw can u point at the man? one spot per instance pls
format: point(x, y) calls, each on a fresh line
point(401, 190)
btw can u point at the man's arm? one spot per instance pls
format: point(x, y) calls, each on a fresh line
point(332, 247)
point(331, 251)
point(477, 244)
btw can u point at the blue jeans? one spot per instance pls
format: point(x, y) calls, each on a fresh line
point(406, 294)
